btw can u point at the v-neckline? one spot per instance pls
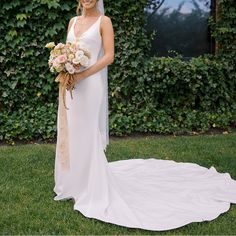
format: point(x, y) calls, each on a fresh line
point(85, 30)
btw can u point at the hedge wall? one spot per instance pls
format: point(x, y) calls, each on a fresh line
point(162, 95)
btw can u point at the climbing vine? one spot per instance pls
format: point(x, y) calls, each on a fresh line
point(162, 95)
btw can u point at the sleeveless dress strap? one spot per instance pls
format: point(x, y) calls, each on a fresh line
point(100, 18)
point(99, 24)
point(73, 24)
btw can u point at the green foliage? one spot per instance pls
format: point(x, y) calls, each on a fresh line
point(163, 95)
point(223, 29)
point(177, 96)
point(29, 94)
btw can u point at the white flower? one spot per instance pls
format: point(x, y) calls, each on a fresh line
point(86, 51)
point(69, 67)
point(79, 54)
point(84, 61)
point(59, 46)
point(50, 62)
point(76, 61)
point(71, 71)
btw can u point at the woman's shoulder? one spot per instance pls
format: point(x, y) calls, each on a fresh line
point(106, 19)
point(72, 18)
point(106, 24)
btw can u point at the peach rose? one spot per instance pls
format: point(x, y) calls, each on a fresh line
point(61, 59)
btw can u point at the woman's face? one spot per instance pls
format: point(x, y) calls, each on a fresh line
point(88, 4)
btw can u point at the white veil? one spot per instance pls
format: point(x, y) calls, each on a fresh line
point(100, 6)
point(104, 113)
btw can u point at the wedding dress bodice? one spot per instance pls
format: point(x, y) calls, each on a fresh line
point(90, 39)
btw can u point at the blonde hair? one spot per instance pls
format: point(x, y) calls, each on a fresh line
point(78, 9)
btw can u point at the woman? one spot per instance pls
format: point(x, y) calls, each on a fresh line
point(151, 194)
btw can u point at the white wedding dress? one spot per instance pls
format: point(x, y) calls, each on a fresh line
point(151, 194)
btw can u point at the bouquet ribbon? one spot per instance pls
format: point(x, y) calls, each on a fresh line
point(63, 135)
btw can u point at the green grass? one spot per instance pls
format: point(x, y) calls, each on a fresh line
point(27, 181)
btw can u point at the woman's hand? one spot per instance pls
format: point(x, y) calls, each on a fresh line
point(79, 76)
point(70, 82)
point(76, 77)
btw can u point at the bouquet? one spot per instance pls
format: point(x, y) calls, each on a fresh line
point(67, 59)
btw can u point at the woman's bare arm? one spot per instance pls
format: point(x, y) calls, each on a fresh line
point(107, 34)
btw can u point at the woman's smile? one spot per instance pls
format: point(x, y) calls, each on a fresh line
point(87, 2)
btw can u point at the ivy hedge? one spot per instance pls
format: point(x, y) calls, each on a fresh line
point(146, 94)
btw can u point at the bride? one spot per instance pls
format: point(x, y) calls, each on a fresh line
point(148, 193)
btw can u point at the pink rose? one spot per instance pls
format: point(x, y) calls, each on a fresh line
point(61, 59)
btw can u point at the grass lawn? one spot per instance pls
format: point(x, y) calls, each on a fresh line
point(27, 181)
